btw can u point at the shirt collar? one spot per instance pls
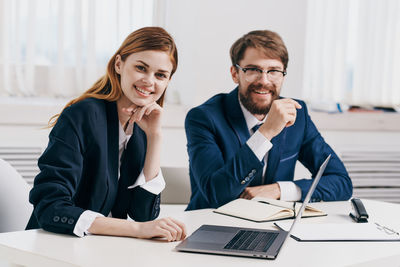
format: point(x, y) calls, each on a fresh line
point(123, 138)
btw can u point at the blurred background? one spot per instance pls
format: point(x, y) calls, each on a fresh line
point(344, 61)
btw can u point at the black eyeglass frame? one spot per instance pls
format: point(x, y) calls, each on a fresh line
point(260, 70)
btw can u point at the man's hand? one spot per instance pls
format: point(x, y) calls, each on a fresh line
point(269, 191)
point(282, 114)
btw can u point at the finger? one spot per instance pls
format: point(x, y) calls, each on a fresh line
point(154, 107)
point(250, 194)
point(127, 111)
point(172, 231)
point(181, 226)
point(177, 228)
point(137, 116)
point(165, 233)
point(290, 122)
point(292, 102)
point(141, 113)
point(244, 193)
point(132, 114)
point(130, 109)
point(291, 110)
point(296, 104)
point(288, 108)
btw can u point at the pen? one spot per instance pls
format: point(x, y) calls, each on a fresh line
point(266, 202)
point(387, 230)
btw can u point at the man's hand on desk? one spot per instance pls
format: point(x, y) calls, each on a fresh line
point(168, 228)
point(269, 191)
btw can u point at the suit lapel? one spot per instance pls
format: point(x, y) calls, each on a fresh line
point(274, 156)
point(132, 161)
point(235, 117)
point(134, 155)
point(112, 139)
point(136, 147)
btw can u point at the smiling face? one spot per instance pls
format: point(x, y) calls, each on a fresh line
point(257, 96)
point(144, 76)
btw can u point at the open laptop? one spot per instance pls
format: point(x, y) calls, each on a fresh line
point(246, 242)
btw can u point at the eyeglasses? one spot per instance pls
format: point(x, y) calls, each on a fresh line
point(253, 74)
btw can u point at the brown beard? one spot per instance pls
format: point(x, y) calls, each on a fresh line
point(253, 108)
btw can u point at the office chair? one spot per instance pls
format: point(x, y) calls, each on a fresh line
point(177, 189)
point(15, 208)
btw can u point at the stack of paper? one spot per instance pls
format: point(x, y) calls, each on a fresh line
point(341, 232)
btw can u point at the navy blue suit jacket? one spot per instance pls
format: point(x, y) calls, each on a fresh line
point(222, 165)
point(79, 170)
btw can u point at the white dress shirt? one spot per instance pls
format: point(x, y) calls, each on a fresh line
point(260, 145)
point(155, 186)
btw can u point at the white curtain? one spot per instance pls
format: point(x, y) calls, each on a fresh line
point(352, 53)
point(59, 48)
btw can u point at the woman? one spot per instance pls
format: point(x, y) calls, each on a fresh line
point(103, 156)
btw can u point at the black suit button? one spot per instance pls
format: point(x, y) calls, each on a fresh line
point(64, 219)
point(56, 218)
point(71, 221)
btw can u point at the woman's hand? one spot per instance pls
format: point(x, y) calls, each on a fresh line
point(167, 228)
point(147, 117)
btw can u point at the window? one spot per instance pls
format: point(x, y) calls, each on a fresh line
point(353, 52)
point(58, 48)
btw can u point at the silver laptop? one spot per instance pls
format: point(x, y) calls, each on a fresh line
point(246, 242)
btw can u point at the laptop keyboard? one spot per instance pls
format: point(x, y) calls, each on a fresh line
point(251, 241)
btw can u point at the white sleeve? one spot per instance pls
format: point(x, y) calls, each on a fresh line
point(290, 191)
point(85, 221)
point(154, 186)
point(259, 144)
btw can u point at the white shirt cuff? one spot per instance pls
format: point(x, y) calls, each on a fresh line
point(154, 186)
point(289, 191)
point(259, 144)
point(85, 221)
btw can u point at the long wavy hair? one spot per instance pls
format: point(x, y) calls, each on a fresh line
point(108, 87)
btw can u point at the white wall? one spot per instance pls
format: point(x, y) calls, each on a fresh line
point(205, 30)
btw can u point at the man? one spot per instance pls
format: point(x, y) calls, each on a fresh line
point(230, 158)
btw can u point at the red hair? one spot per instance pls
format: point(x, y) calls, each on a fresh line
point(108, 87)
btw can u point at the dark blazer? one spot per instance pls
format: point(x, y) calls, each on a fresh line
point(222, 164)
point(79, 170)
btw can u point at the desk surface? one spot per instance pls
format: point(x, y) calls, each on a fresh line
point(40, 248)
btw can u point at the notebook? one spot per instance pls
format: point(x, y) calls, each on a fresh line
point(261, 209)
point(240, 241)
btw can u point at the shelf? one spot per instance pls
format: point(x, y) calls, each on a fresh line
point(356, 121)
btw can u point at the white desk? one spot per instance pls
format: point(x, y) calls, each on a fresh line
point(40, 248)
